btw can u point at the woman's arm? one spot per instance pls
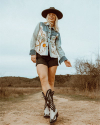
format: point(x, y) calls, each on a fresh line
point(61, 52)
point(33, 40)
point(32, 43)
point(33, 58)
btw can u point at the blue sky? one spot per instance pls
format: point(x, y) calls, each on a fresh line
point(79, 29)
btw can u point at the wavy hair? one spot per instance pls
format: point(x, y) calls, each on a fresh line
point(56, 23)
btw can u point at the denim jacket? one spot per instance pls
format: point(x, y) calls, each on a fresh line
point(45, 39)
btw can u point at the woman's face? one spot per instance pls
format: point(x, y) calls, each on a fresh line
point(51, 17)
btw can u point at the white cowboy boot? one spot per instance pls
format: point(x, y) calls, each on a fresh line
point(46, 107)
point(53, 110)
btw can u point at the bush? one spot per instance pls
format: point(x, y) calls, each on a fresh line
point(88, 75)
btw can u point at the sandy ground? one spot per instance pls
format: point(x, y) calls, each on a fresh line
point(29, 111)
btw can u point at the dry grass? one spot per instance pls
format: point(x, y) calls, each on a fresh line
point(77, 94)
point(6, 92)
point(64, 84)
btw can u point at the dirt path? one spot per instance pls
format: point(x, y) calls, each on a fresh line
point(71, 112)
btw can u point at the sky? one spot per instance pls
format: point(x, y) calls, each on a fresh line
point(79, 29)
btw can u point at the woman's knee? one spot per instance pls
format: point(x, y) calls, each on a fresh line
point(51, 82)
point(43, 78)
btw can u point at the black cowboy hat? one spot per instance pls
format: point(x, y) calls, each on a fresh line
point(52, 10)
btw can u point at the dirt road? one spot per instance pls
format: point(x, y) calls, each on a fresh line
point(29, 111)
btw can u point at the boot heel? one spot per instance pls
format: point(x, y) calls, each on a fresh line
point(57, 114)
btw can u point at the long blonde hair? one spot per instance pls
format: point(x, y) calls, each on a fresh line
point(56, 23)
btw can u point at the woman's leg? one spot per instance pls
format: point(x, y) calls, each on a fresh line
point(51, 79)
point(51, 76)
point(42, 71)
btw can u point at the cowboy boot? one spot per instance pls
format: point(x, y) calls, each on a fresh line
point(46, 107)
point(53, 110)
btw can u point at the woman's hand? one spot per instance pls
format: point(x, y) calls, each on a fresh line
point(67, 63)
point(33, 58)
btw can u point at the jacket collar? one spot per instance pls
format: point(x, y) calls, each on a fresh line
point(48, 25)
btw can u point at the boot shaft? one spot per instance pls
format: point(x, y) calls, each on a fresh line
point(53, 110)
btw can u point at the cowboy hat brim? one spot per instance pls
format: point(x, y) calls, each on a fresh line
point(51, 10)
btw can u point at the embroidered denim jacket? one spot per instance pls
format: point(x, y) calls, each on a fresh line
point(44, 38)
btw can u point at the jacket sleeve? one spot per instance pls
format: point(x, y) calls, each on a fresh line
point(33, 40)
point(60, 50)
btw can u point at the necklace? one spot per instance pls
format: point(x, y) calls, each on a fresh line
point(50, 23)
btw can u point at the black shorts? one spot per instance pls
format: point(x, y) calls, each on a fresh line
point(46, 60)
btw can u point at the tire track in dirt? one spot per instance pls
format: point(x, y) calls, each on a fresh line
point(71, 112)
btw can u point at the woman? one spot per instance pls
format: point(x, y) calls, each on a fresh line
point(45, 46)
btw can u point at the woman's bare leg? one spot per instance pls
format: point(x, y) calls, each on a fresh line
point(51, 76)
point(42, 71)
